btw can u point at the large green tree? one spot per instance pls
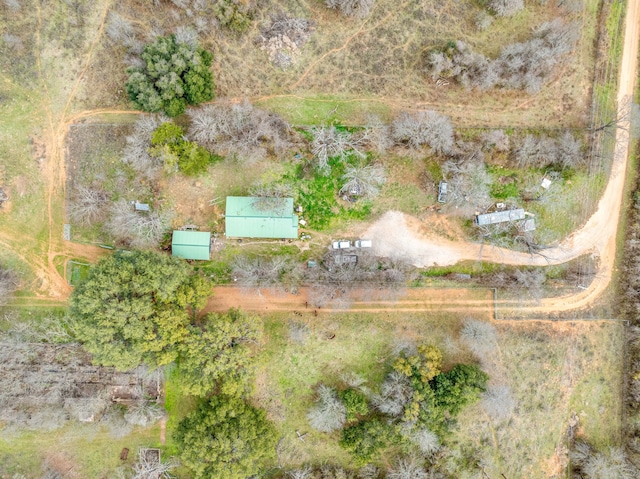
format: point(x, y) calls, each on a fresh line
point(135, 308)
point(174, 75)
point(225, 438)
point(218, 355)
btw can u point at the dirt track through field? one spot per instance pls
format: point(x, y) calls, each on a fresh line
point(394, 232)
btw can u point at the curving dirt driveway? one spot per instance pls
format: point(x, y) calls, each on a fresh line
point(399, 234)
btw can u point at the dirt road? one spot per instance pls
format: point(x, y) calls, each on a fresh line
point(397, 233)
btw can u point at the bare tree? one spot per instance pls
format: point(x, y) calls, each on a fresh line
point(536, 152)
point(113, 419)
point(498, 402)
point(138, 143)
point(593, 464)
point(12, 4)
point(530, 282)
point(505, 8)
point(496, 139)
point(88, 206)
point(298, 332)
point(8, 284)
point(427, 441)
point(424, 128)
point(260, 272)
point(269, 197)
point(407, 468)
point(569, 151)
point(395, 393)
point(120, 30)
point(143, 413)
point(377, 134)
point(329, 414)
point(304, 473)
point(148, 469)
point(329, 142)
point(468, 183)
point(363, 181)
point(479, 336)
point(483, 21)
point(137, 229)
point(240, 130)
point(370, 471)
point(352, 8)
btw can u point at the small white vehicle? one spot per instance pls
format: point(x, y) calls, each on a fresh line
point(363, 243)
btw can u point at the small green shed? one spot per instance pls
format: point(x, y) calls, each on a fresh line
point(251, 217)
point(191, 244)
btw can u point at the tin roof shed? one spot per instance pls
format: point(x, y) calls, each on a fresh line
point(499, 217)
point(251, 217)
point(191, 244)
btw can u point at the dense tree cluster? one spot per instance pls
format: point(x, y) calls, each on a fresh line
point(538, 152)
point(522, 66)
point(239, 130)
point(175, 74)
point(134, 308)
point(48, 380)
point(416, 402)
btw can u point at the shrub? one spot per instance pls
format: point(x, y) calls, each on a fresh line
point(356, 404)
point(365, 439)
point(177, 153)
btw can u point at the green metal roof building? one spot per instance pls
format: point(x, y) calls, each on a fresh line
point(191, 245)
point(251, 217)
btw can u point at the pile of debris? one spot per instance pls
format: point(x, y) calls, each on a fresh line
point(284, 37)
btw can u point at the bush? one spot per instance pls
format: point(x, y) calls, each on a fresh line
point(365, 439)
point(356, 404)
point(174, 75)
point(177, 153)
point(233, 14)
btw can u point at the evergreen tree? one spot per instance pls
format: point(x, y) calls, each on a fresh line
point(219, 353)
point(225, 438)
point(174, 75)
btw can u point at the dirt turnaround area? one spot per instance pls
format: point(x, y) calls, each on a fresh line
point(397, 233)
